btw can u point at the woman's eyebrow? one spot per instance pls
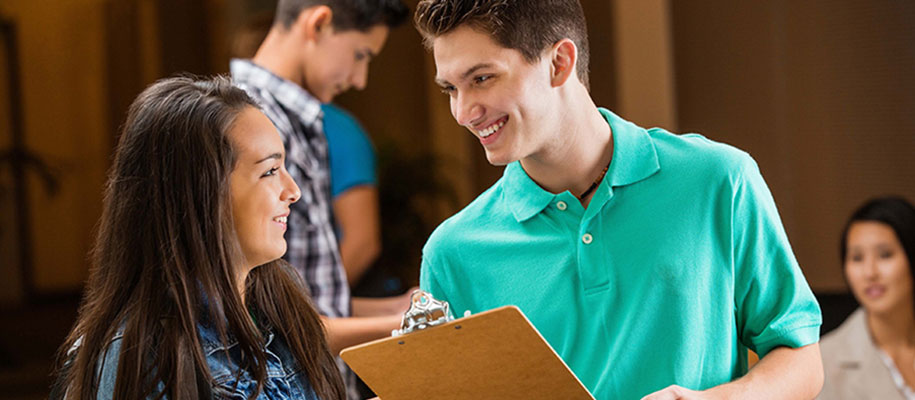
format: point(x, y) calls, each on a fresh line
point(274, 156)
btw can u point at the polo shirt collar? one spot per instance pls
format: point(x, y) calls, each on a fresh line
point(525, 197)
point(634, 154)
point(634, 159)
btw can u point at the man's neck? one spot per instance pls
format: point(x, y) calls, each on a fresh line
point(276, 55)
point(578, 154)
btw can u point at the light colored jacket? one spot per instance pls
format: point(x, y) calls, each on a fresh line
point(853, 366)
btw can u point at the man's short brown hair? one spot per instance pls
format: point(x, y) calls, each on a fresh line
point(529, 26)
point(360, 15)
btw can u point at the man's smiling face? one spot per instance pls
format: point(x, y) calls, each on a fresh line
point(501, 97)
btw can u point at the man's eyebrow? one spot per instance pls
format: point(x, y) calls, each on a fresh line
point(470, 71)
point(474, 69)
point(274, 156)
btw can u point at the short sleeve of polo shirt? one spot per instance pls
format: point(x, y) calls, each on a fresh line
point(351, 155)
point(775, 306)
point(427, 282)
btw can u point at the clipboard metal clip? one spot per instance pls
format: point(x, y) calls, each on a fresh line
point(424, 312)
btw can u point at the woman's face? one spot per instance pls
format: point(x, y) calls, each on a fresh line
point(877, 268)
point(260, 188)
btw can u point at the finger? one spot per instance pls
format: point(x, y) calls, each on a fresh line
point(671, 392)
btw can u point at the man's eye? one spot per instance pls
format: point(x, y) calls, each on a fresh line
point(360, 56)
point(271, 172)
point(482, 78)
point(449, 90)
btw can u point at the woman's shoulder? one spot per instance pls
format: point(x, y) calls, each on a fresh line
point(284, 380)
point(107, 367)
point(849, 339)
point(852, 364)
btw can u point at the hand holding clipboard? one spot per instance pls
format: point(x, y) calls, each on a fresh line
point(496, 354)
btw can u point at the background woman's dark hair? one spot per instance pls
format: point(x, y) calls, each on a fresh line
point(163, 258)
point(894, 211)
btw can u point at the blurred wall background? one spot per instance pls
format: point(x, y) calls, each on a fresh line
point(820, 93)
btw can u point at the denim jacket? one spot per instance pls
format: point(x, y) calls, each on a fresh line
point(284, 379)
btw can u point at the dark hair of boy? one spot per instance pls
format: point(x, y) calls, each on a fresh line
point(528, 26)
point(358, 15)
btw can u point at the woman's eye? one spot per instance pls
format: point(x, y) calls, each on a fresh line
point(886, 254)
point(271, 172)
point(360, 56)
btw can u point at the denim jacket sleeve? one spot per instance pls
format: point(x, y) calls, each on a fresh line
point(107, 369)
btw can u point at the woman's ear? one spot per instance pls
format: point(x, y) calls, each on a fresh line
point(563, 56)
point(313, 20)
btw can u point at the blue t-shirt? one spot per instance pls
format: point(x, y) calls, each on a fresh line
point(352, 158)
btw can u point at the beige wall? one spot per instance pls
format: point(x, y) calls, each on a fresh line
point(644, 63)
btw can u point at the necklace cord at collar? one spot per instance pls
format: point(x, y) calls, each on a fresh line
point(594, 184)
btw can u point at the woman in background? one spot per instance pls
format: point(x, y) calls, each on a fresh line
point(187, 297)
point(872, 355)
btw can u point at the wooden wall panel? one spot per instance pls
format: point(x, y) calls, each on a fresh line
point(11, 283)
point(819, 92)
point(62, 53)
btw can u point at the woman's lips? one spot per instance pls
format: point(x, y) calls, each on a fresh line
point(874, 291)
point(282, 219)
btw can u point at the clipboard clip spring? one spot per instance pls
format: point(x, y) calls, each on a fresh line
point(424, 312)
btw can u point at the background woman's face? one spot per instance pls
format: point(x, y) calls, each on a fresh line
point(877, 268)
point(260, 188)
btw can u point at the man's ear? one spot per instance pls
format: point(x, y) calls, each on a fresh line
point(313, 21)
point(563, 56)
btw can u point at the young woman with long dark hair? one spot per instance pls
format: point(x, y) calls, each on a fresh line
point(187, 297)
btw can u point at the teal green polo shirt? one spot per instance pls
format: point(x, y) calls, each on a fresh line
point(678, 265)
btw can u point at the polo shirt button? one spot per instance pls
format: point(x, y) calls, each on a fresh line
point(561, 205)
point(586, 238)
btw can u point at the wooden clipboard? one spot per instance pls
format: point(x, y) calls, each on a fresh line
point(495, 354)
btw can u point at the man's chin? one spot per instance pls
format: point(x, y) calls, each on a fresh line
point(497, 160)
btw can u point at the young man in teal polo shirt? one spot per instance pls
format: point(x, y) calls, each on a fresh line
point(650, 261)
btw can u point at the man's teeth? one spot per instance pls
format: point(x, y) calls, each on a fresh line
point(281, 220)
point(492, 129)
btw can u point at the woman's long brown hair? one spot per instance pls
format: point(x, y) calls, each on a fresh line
point(163, 259)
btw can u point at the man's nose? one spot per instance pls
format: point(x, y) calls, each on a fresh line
point(360, 77)
point(466, 111)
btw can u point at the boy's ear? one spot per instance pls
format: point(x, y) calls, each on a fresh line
point(563, 56)
point(313, 21)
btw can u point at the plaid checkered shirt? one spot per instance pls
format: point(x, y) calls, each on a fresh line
point(311, 241)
